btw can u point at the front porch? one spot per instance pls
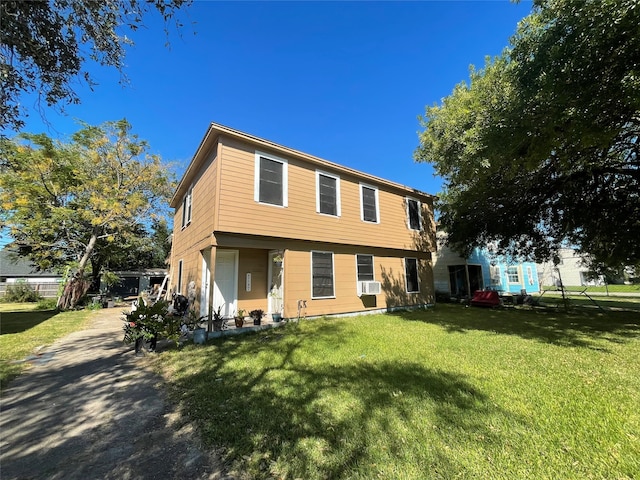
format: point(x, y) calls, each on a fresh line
point(229, 327)
point(236, 280)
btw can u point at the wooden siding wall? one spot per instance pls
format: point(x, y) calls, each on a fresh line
point(191, 271)
point(389, 271)
point(203, 207)
point(239, 213)
point(388, 267)
point(188, 241)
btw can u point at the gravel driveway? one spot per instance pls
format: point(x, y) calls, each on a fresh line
point(90, 409)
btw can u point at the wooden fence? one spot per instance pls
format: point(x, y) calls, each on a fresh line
point(46, 290)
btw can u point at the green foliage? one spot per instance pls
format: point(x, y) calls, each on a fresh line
point(110, 278)
point(44, 44)
point(149, 320)
point(541, 147)
point(21, 292)
point(46, 304)
point(93, 306)
point(86, 200)
point(451, 392)
point(192, 320)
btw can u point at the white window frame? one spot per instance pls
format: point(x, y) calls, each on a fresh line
point(419, 203)
point(285, 179)
point(338, 202)
point(529, 275)
point(375, 189)
point(187, 207)
point(373, 266)
point(517, 282)
point(406, 278)
point(333, 274)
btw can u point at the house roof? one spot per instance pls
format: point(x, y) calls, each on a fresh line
point(12, 265)
point(216, 130)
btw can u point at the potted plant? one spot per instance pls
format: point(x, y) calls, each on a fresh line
point(239, 318)
point(144, 323)
point(192, 321)
point(218, 320)
point(256, 315)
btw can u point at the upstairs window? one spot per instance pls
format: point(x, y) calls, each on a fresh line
point(186, 207)
point(411, 274)
point(413, 214)
point(364, 266)
point(369, 204)
point(270, 180)
point(327, 194)
point(322, 283)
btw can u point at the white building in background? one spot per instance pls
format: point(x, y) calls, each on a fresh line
point(15, 269)
point(571, 271)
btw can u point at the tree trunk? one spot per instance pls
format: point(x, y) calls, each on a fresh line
point(77, 286)
point(74, 290)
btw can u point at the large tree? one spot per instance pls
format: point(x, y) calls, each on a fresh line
point(541, 147)
point(45, 45)
point(69, 204)
point(139, 247)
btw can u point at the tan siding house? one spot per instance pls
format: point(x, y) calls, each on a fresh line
point(261, 226)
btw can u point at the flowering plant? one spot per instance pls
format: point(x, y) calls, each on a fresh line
point(149, 321)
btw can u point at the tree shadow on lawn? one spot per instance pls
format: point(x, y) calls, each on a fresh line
point(17, 322)
point(310, 417)
point(576, 328)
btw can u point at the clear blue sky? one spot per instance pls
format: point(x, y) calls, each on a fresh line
point(341, 81)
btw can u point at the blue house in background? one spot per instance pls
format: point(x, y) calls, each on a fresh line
point(482, 270)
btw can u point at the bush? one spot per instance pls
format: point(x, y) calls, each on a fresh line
point(149, 321)
point(47, 304)
point(21, 292)
point(93, 306)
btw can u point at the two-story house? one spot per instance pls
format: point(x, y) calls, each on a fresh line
point(261, 226)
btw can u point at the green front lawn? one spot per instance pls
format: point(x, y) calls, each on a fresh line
point(634, 288)
point(453, 392)
point(23, 329)
point(554, 299)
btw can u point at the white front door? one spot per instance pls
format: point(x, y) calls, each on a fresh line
point(205, 284)
point(225, 285)
point(276, 269)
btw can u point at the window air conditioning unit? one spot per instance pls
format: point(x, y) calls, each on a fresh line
point(369, 288)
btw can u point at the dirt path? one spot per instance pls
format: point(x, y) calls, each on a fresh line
point(91, 409)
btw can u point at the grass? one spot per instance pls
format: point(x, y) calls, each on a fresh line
point(23, 328)
point(635, 288)
point(605, 303)
point(453, 392)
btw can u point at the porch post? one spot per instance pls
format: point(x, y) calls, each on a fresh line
point(212, 276)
